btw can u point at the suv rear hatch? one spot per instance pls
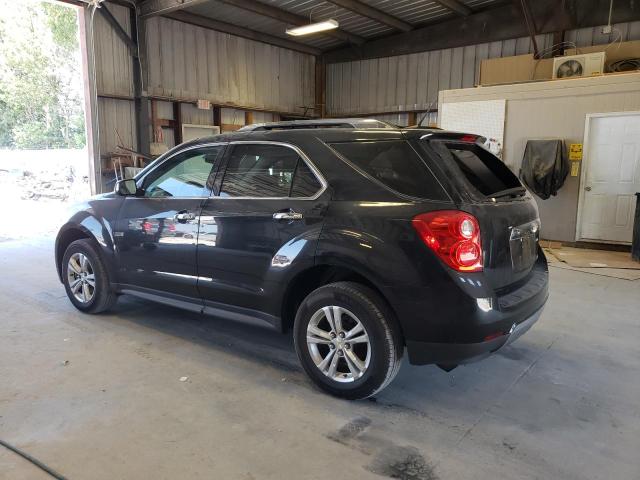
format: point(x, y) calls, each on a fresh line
point(486, 188)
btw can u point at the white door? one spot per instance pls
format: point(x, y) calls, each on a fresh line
point(611, 178)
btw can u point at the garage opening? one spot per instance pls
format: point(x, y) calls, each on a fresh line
point(43, 158)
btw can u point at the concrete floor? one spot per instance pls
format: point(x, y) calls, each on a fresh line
point(561, 403)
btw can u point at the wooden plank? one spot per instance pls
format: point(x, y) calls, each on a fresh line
point(320, 88)
point(177, 128)
point(229, 127)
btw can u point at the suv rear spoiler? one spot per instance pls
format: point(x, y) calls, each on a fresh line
point(454, 137)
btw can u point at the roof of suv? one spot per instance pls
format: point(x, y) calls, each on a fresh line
point(358, 123)
point(326, 130)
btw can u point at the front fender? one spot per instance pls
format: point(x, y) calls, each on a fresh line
point(91, 220)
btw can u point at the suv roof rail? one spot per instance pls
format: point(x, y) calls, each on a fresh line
point(357, 123)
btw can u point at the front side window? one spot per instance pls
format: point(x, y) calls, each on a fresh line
point(184, 176)
point(267, 171)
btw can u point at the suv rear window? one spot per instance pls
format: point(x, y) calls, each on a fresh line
point(483, 170)
point(395, 164)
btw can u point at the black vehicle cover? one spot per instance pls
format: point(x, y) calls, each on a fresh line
point(544, 167)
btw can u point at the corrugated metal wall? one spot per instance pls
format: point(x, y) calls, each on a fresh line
point(113, 67)
point(411, 82)
point(113, 61)
point(402, 119)
point(189, 62)
point(585, 37)
point(117, 126)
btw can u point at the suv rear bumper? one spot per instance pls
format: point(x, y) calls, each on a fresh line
point(448, 325)
point(451, 354)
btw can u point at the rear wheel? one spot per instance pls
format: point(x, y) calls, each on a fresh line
point(347, 340)
point(85, 278)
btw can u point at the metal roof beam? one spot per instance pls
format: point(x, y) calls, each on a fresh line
point(290, 18)
point(379, 16)
point(455, 6)
point(505, 21)
point(224, 27)
point(529, 21)
point(150, 8)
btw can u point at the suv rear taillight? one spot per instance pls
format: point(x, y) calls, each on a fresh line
point(454, 236)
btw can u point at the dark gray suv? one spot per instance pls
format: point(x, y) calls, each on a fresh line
point(362, 238)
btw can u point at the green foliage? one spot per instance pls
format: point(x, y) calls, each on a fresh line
point(41, 103)
point(63, 25)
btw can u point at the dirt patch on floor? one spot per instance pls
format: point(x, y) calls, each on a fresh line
point(597, 262)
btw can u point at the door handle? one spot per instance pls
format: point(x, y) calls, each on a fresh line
point(588, 189)
point(290, 215)
point(184, 217)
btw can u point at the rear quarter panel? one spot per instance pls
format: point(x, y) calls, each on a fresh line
point(377, 240)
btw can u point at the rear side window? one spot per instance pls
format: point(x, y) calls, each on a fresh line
point(267, 171)
point(395, 164)
point(483, 170)
point(305, 183)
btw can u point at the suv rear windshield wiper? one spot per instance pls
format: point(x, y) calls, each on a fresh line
point(509, 192)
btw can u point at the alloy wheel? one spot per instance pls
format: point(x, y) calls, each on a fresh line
point(338, 344)
point(81, 277)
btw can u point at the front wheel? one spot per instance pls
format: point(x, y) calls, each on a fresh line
point(347, 340)
point(85, 278)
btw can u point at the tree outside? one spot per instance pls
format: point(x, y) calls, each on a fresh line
point(43, 159)
point(41, 98)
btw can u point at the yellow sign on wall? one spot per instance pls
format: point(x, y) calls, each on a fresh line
point(575, 152)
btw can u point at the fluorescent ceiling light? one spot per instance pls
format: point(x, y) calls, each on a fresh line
point(313, 28)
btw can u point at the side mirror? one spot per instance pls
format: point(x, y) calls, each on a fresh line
point(126, 187)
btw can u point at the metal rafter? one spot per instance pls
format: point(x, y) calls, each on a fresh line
point(530, 24)
point(455, 6)
point(150, 8)
point(219, 26)
point(290, 18)
point(379, 16)
point(456, 32)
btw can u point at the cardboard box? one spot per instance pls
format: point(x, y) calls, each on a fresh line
point(615, 51)
point(524, 68)
point(520, 68)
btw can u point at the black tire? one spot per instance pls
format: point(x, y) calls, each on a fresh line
point(103, 297)
point(385, 340)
